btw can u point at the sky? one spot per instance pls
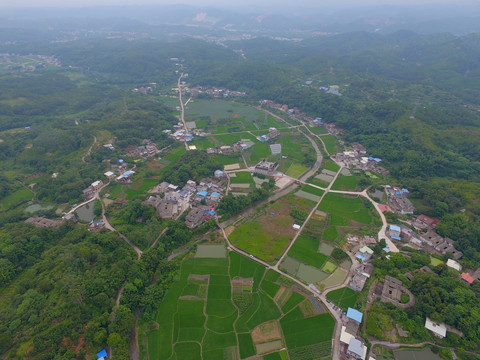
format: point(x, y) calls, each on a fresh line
point(222, 3)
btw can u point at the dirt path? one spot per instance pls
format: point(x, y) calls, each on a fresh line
point(89, 149)
point(111, 228)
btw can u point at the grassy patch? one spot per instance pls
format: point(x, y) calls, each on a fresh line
point(17, 198)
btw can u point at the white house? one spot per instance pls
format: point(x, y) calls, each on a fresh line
point(438, 329)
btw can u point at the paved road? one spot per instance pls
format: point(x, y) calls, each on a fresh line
point(182, 106)
point(306, 221)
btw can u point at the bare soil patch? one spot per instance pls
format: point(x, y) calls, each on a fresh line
point(267, 331)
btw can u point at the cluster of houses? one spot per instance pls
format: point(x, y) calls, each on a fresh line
point(216, 92)
point(40, 221)
point(397, 200)
point(227, 149)
point(353, 346)
point(148, 149)
point(272, 133)
point(90, 191)
point(357, 159)
point(179, 133)
point(143, 89)
point(467, 277)
point(295, 113)
point(421, 235)
point(202, 198)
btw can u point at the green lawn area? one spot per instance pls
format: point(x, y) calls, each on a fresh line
point(17, 198)
point(345, 183)
point(344, 297)
point(435, 261)
point(330, 143)
point(296, 170)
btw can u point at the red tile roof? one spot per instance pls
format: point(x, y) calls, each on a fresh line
point(469, 279)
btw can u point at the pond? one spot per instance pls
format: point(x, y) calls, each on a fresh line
point(85, 212)
point(37, 207)
point(425, 354)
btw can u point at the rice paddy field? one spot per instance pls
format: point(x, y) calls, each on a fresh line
point(231, 308)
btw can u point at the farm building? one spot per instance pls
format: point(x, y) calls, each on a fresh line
point(467, 278)
point(357, 349)
point(266, 168)
point(454, 265)
point(276, 149)
point(354, 315)
point(438, 329)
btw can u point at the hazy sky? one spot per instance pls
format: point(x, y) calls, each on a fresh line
point(223, 3)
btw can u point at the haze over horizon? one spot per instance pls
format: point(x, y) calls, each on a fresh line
point(233, 3)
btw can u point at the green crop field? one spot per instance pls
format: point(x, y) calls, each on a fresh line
point(345, 183)
point(330, 143)
point(242, 178)
point(196, 323)
point(264, 245)
point(342, 209)
point(295, 146)
point(330, 165)
point(292, 302)
point(313, 190)
point(296, 170)
point(300, 331)
point(17, 198)
point(305, 251)
point(245, 344)
point(329, 267)
point(344, 297)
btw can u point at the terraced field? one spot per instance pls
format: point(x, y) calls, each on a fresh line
point(231, 308)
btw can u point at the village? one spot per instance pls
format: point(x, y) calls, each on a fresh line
point(196, 202)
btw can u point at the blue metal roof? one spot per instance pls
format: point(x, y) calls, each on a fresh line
point(386, 249)
point(405, 190)
point(211, 212)
point(354, 315)
point(396, 237)
point(102, 354)
point(202, 193)
point(215, 194)
point(361, 257)
point(395, 228)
